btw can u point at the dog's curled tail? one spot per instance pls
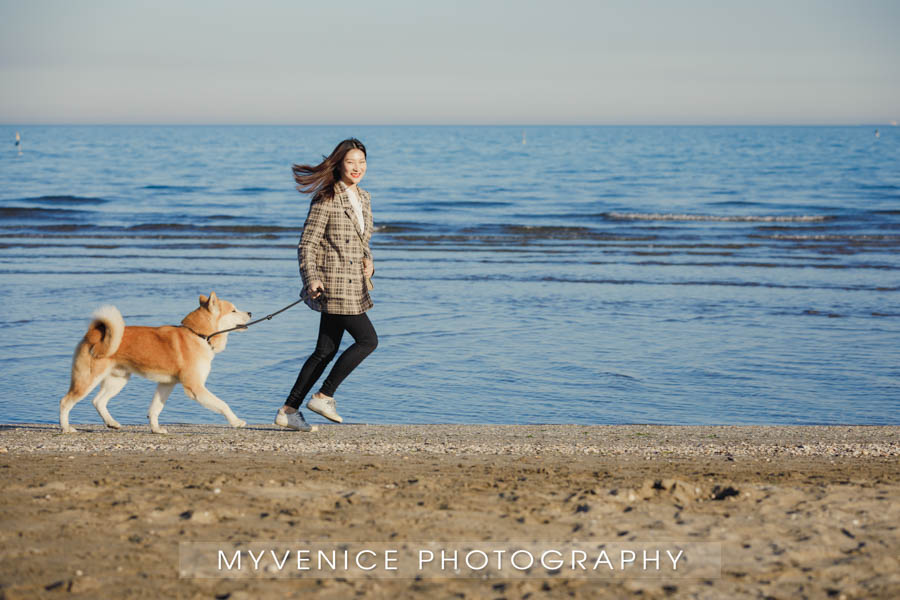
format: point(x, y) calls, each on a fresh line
point(105, 332)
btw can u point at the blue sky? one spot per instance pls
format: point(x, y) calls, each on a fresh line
point(462, 62)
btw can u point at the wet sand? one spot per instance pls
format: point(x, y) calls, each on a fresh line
point(799, 511)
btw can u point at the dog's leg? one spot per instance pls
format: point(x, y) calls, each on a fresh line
point(81, 386)
point(209, 400)
point(65, 405)
point(157, 404)
point(112, 385)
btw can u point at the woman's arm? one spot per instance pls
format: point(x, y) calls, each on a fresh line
point(367, 250)
point(313, 231)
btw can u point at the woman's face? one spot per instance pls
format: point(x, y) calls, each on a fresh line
point(354, 167)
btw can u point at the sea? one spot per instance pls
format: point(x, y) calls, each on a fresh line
point(524, 275)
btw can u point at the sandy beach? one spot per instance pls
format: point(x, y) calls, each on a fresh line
point(798, 511)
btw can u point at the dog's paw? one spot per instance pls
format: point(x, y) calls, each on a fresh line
point(159, 430)
point(114, 425)
point(69, 429)
point(239, 423)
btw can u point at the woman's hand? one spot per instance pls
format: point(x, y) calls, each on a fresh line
point(368, 267)
point(315, 289)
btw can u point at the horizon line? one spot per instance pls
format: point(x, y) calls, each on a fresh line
point(517, 125)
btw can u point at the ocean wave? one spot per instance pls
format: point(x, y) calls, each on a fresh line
point(22, 212)
point(617, 216)
point(138, 271)
point(883, 186)
point(213, 228)
point(400, 227)
point(174, 188)
point(469, 203)
point(546, 230)
point(110, 257)
point(407, 190)
point(734, 203)
point(832, 237)
point(67, 200)
point(63, 228)
point(252, 190)
point(521, 237)
point(648, 282)
point(153, 240)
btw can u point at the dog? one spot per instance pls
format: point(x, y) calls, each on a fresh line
point(111, 351)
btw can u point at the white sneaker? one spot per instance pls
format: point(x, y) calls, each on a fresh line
point(293, 421)
point(325, 406)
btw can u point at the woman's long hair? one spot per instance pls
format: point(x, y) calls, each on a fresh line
point(319, 180)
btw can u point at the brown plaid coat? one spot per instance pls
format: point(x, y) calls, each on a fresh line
point(332, 249)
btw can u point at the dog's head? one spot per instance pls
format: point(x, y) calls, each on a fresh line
point(214, 315)
point(225, 314)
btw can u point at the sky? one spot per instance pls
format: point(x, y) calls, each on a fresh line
point(398, 62)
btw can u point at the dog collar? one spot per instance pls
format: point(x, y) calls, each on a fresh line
point(205, 337)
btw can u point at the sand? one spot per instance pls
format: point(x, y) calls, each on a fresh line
point(798, 511)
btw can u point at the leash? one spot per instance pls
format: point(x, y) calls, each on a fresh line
point(245, 326)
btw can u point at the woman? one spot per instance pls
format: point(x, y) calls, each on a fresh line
point(335, 264)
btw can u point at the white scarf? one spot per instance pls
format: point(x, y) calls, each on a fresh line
point(357, 208)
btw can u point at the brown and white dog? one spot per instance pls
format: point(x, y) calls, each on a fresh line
point(110, 352)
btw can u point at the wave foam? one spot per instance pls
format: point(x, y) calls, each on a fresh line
point(617, 216)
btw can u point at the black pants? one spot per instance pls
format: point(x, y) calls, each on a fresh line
point(331, 330)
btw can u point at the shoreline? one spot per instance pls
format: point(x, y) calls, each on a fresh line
point(573, 440)
point(798, 511)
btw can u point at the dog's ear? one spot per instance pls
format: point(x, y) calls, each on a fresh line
point(204, 301)
point(213, 300)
